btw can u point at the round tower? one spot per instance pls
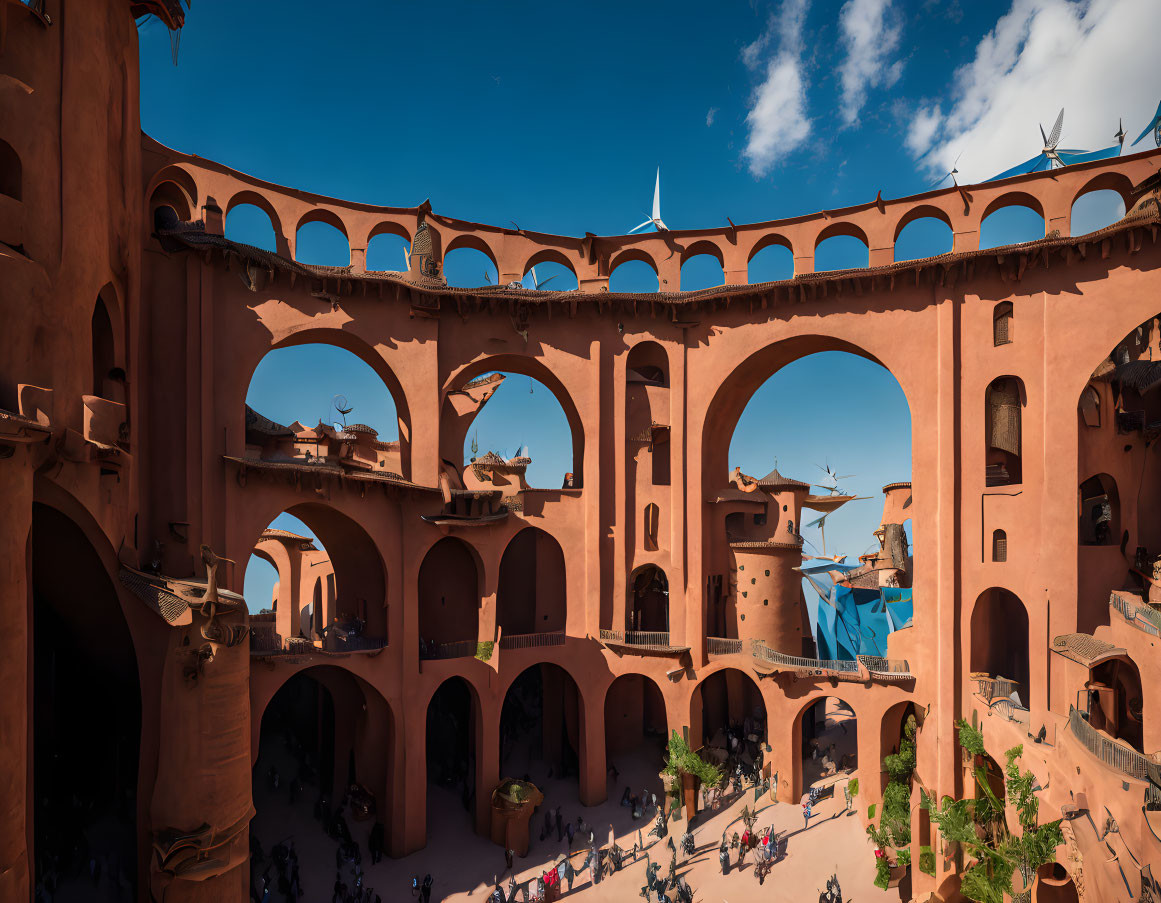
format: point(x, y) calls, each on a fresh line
point(768, 591)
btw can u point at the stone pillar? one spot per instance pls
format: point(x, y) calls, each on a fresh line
point(593, 765)
point(487, 733)
point(15, 605)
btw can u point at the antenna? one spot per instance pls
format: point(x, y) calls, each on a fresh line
point(341, 405)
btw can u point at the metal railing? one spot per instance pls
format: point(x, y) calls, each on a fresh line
point(897, 668)
point(531, 640)
point(1116, 755)
point(355, 644)
point(457, 649)
point(716, 645)
point(1152, 798)
point(996, 688)
point(1143, 617)
point(843, 666)
point(658, 639)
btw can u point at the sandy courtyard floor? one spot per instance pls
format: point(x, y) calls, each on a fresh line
point(467, 867)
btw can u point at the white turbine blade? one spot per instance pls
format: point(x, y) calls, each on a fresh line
point(535, 281)
point(1054, 138)
point(660, 225)
point(546, 281)
point(657, 197)
point(647, 222)
point(407, 258)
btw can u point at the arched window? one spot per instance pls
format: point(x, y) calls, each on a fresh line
point(652, 515)
point(1100, 511)
point(103, 354)
point(999, 545)
point(1090, 406)
point(1002, 323)
point(11, 172)
point(1003, 401)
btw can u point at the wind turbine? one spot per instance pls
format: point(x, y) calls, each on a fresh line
point(1052, 156)
point(536, 283)
point(655, 219)
point(1154, 126)
point(951, 174)
point(407, 259)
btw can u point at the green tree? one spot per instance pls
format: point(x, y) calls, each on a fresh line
point(978, 827)
point(680, 760)
point(893, 833)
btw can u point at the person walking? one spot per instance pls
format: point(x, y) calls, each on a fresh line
point(724, 855)
point(426, 889)
point(806, 813)
point(508, 856)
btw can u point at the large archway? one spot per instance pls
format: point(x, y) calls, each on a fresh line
point(636, 740)
point(827, 744)
point(531, 596)
point(727, 718)
point(1115, 701)
point(449, 595)
point(85, 686)
point(999, 647)
point(541, 724)
point(452, 741)
point(329, 581)
point(325, 763)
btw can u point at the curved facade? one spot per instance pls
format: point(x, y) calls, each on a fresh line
point(132, 329)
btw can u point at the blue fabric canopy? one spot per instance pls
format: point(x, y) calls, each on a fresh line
point(856, 621)
point(1042, 161)
point(1150, 127)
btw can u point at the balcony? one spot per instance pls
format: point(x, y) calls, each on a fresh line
point(457, 649)
point(1138, 613)
point(716, 645)
point(266, 644)
point(532, 640)
point(644, 641)
point(1114, 753)
point(888, 669)
point(997, 693)
point(840, 669)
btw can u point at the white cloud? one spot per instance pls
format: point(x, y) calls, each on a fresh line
point(1096, 58)
point(922, 131)
point(710, 115)
point(777, 118)
point(869, 37)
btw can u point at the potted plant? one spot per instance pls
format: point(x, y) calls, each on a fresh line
point(684, 770)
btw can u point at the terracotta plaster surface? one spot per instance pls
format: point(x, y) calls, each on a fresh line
point(131, 330)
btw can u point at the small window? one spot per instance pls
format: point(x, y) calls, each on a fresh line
point(652, 516)
point(660, 454)
point(1002, 323)
point(1090, 406)
point(999, 546)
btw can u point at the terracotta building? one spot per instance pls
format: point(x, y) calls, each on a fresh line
point(657, 586)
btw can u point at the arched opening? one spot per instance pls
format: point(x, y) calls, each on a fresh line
point(772, 261)
point(999, 648)
point(1003, 404)
point(923, 236)
point(85, 686)
point(388, 251)
point(649, 522)
point(648, 609)
point(1089, 407)
point(249, 224)
point(828, 740)
point(324, 767)
point(449, 596)
point(999, 545)
point(549, 275)
point(1115, 701)
point(897, 737)
point(170, 204)
point(846, 519)
point(727, 717)
point(1099, 515)
point(453, 734)
point(315, 403)
point(465, 267)
point(1002, 324)
point(701, 269)
point(636, 738)
point(321, 242)
point(647, 416)
point(108, 378)
point(540, 731)
point(1055, 885)
point(520, 438)
point(11, 172)
point(634, 276)
point(1095, 210)
point(1010, 222)
point(531, 595)
point(324, 580)
point(841, 251)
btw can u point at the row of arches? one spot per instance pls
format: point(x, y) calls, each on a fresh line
point(925, 230)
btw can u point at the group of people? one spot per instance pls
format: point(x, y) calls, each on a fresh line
point(769, 847)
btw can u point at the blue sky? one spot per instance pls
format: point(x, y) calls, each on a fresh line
point(556, 117)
